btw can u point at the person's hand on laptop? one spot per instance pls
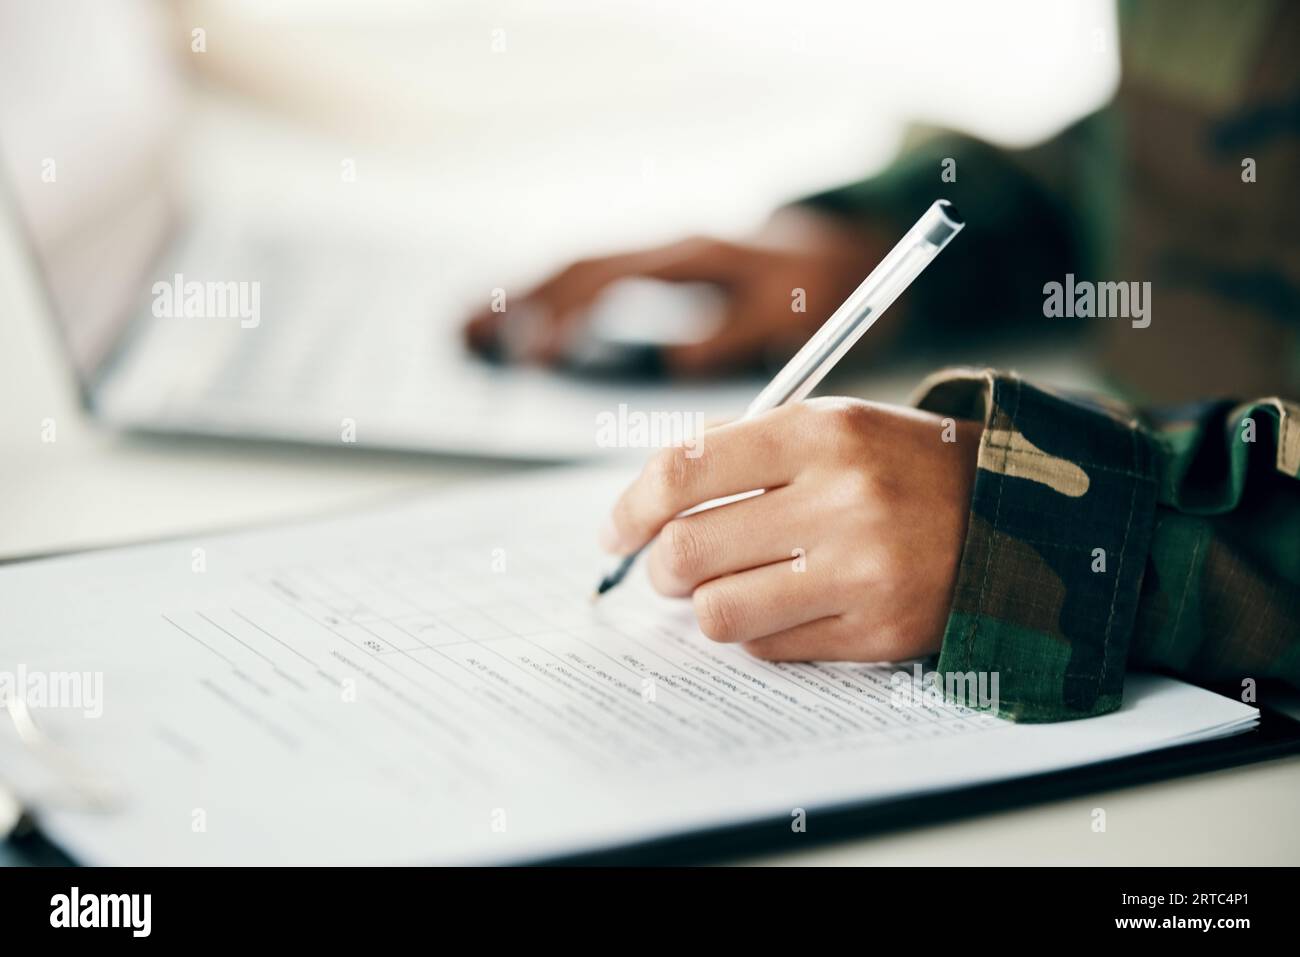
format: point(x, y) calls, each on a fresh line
point(760, 278)
point(852, 551)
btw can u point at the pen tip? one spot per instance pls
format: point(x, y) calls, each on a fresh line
point(605, 585)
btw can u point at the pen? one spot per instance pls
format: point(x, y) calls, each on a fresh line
point(842, 330)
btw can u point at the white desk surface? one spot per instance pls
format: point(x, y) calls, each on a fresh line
point(92, 487)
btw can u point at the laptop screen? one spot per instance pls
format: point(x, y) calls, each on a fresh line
point(90, 102)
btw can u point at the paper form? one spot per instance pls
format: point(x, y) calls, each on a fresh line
point(428, 683)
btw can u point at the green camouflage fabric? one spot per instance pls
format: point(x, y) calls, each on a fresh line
point(1185, 180)
point(1153, 187)
point(1102, 537)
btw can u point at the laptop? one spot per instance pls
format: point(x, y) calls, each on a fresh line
point(182, 315)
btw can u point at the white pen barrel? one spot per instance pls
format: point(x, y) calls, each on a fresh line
point(860, 311)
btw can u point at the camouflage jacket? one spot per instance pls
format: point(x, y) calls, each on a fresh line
point(1102, 537)
point(1105, 535)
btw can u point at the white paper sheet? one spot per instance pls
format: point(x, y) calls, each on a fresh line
point(429, 683)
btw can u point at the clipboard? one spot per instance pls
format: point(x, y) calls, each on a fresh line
point(1276, 736)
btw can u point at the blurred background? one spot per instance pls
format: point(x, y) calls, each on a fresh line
point(546, 130)
point(541, 131)
point(495, 140)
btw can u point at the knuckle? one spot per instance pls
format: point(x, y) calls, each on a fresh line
point(856, 486)
point(669, 475)
point(846, 423)
point(685, 551)
point(718, 614)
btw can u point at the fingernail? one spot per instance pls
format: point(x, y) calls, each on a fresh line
point(609, 539)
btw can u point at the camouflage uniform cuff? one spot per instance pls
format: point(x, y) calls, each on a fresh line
point(1060, 527)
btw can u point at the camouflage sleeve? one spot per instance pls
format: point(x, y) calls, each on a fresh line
point(1047, 209)
point(1102, 537)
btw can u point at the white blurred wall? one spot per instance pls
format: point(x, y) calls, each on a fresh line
point(605, 123)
